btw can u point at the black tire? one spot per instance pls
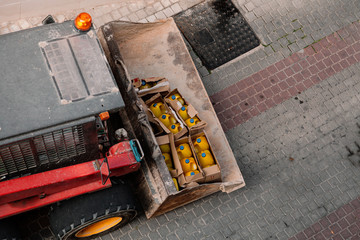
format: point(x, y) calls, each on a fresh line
point(9, 230)
point(70, 216)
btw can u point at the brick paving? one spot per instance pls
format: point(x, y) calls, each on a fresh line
point(284, 27)
point(126, 10)
point(299, 156)
point(263, 90)
point(344, 223)
point(294, 158)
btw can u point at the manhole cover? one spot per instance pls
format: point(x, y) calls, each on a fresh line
point(217, 32)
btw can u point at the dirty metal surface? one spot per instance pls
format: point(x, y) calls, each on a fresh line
point(166, 55)
point(217, 32)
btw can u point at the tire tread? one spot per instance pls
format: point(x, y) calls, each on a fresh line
point(79, 211)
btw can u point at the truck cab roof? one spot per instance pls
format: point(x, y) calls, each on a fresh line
point(50, 75)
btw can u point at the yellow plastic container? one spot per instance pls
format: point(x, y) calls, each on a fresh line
point(168, 160)
point(183, 113)
point(176, 183)
point(201, 144)
point(206, 159)
point(158, 109)
point(175, 128)
point(165, 148)
point(191, 121)
point(184, 151)
point(167, 120)
point(176, 96)
point(188, 164)
point(191, 173)
point(145, 85)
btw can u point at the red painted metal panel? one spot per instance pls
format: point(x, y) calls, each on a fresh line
point(48, 182)
point(29, 192)
point(126, 164)
point(13, 208)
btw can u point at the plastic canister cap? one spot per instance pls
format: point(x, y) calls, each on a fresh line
point(182, 108)
point(143, 82)
point(181, 147)
point(192, 120)
point(173, 97)
point(163, 156)
point(163, 116)
point(173, 126)
point(187, 160)
point(192, 173)
point(198, 140)
point(155, 104)
point(203, 154)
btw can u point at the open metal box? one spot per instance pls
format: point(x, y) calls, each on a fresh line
point(157, 49)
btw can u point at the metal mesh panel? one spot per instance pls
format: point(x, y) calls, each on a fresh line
point(15, 158)
point(60, 145)
point(51, 147)
point(216, 31)
point(3, 170)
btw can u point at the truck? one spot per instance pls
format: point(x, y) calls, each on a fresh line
point(74, 134)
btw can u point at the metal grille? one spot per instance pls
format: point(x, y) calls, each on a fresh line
point(49, 148)
point(59, 145)
point(15, 158)
point(216, 31)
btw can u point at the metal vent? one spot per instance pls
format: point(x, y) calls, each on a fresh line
point(64, 68)
point(77, 70)
point(15, 158)
point(59, 145)
point(42, 150)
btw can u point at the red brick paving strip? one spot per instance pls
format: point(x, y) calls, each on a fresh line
point(263, 90)
point(343, 224)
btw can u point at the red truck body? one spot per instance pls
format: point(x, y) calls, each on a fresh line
point(26, 193)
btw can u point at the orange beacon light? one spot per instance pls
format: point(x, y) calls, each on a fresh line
point(83, 22)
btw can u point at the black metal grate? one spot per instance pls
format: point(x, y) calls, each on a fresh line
point(48, 148)
point(217, 32)
point(17, 157)
point(60, 145)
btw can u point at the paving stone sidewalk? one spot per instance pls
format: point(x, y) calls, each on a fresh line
point(343, 223)
point(295, 161)
point(293, 154)
point(280, 81)
point(125, 10)
point(284, 27)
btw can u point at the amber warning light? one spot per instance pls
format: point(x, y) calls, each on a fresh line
point(83, 22)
